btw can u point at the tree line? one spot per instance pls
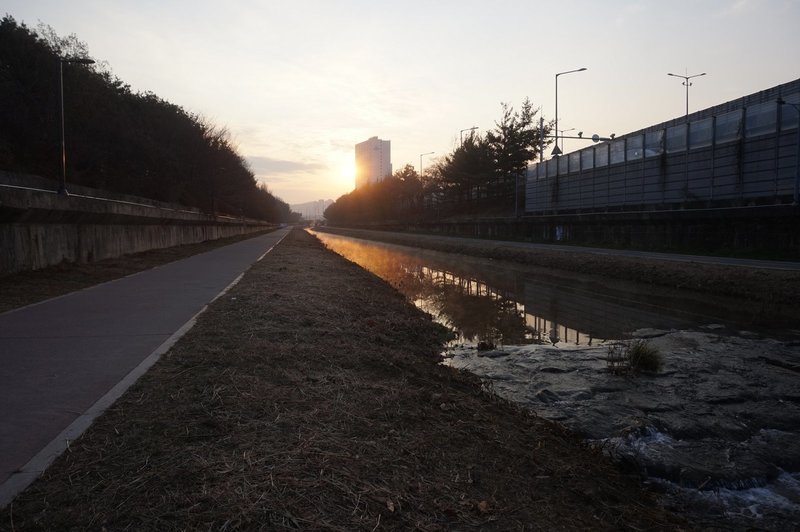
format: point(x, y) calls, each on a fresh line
point(485, 174)
point(116, 139)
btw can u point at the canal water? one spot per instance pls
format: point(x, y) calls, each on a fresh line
point(716, 429)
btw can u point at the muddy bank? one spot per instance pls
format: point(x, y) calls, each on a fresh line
point(311, 397)
point(777, 293)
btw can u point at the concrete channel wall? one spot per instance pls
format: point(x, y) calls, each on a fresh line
point(39, 228)
point(771, 231)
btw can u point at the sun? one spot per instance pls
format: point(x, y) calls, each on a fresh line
point(348, 173)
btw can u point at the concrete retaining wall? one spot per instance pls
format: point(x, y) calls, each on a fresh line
point(39, 228)
point(764, 232)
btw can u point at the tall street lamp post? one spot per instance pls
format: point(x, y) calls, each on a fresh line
point(781, 101)
point(562, 131)
point(688, 84)
point(420, 160)
point(473, 128)
point(62, 187)
point(557, 150)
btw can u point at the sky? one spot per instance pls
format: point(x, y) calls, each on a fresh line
point(299, 82)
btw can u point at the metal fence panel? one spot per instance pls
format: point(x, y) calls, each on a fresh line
point(633, 183)
point(700, 172)
point(741, 152)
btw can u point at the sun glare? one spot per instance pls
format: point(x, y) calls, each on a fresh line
point(348, 175)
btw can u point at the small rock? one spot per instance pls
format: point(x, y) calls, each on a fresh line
point(582, 396)
point(547, 397)
point(551, 369)
point(493, 354)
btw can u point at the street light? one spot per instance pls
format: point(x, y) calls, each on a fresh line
point(686, 82)
point(62, 187)
point(556, 150)
point(420, 160)
point(473, 128)
point(781, 101)
point(562, 131)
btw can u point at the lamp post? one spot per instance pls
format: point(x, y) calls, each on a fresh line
point(557, 150)
point(420, 160)
point(688, 84)
point(62, 187)
point(781, 101)
point(473, 128)
point(562, 131)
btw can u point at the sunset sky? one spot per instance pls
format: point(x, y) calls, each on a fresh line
point(298, 83)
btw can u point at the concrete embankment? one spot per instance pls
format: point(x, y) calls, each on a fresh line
point(776, 292)
point(39, 228)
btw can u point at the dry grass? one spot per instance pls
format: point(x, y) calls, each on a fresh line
point(310, 397)
point(634, 356)
point(643, 356)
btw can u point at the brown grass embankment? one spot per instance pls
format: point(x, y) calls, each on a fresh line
point(311, 397)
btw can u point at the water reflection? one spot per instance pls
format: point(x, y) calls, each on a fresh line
point(476, 311)
point(493, 303)
point(452, 291)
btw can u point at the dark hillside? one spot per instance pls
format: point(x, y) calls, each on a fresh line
point(116, 139)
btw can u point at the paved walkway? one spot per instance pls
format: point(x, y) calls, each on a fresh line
point(65, 360)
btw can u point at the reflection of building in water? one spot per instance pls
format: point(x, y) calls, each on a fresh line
point(543, 327)
point(512, 321)
point(550, 331)
point(476, 310)
point(578, 316)
point(485, 304)
point(549, 313)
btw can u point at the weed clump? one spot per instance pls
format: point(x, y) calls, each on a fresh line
point(643, 356)
point(634, 356)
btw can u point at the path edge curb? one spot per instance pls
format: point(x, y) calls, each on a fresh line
point(20, 480)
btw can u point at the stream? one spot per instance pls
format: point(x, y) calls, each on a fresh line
point(716, 429)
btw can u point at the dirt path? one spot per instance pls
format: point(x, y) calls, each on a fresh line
point(310, 397)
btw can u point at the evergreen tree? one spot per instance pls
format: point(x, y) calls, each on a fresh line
point(117, 140)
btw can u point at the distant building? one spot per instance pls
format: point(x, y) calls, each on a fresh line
point(311, 210)
point(373, 161)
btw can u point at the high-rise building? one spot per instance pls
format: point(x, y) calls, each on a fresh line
point(373, 161)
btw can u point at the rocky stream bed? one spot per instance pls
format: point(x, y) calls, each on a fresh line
point(717, 429)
